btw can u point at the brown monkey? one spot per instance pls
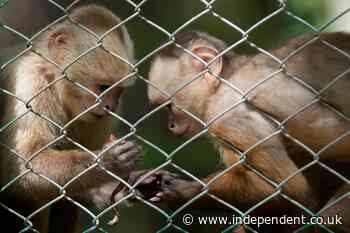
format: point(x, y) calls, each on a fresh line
point(62, 101)
point(338, 209)
point(240, 110)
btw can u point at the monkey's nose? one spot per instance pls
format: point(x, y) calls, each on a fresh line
point(171, 125)
point(108, 107)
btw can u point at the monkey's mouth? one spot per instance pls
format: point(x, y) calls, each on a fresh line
point(99, 116)
point(101, 112)
point(179, 131)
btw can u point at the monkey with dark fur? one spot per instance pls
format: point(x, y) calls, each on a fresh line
point(58, 110)
point(249, 126)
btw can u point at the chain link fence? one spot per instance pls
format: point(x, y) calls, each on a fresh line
point(132, 128)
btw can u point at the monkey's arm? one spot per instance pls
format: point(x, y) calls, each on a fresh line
point(240, 185)
point(64, 166)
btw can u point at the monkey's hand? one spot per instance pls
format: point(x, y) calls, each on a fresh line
point(100, 195)
point(120, 158)
point(163, 186)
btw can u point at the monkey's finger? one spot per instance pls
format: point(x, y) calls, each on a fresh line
point(109, 144)
point(166, 174)
point(129, 155)
point(135, 175)
point(160, 194)
point(121, 148)
point(137, 193)
point(155, 199)
point(158, 197)
point(112, 137)
point(167, 194)
point(167, 180)
point(149, 180)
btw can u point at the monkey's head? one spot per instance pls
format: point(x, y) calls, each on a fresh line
point(188, 77)
point(93, 58)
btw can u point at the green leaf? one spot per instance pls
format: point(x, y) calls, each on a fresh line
point(3, 2)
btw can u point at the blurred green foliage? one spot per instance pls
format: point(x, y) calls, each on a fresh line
point(3, 2)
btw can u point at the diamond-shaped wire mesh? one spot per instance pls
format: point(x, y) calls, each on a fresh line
point(42, 151)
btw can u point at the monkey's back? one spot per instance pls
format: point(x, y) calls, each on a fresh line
point(324, 64)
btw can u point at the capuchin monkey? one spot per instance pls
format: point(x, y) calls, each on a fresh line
point(63, 98)
point(241, 99)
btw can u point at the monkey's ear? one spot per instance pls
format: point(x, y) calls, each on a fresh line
point(208, 54)
point(58, 38)
point(57, 42)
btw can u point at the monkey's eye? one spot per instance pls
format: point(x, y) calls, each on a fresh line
point(169, 106)
point(102, 88)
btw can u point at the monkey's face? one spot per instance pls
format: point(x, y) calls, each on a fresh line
point(95, 75)
point(181, 123)
point(95, 98)
point(184, 78)
point(92, 103)
point(170, 76)
point(96, 88)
